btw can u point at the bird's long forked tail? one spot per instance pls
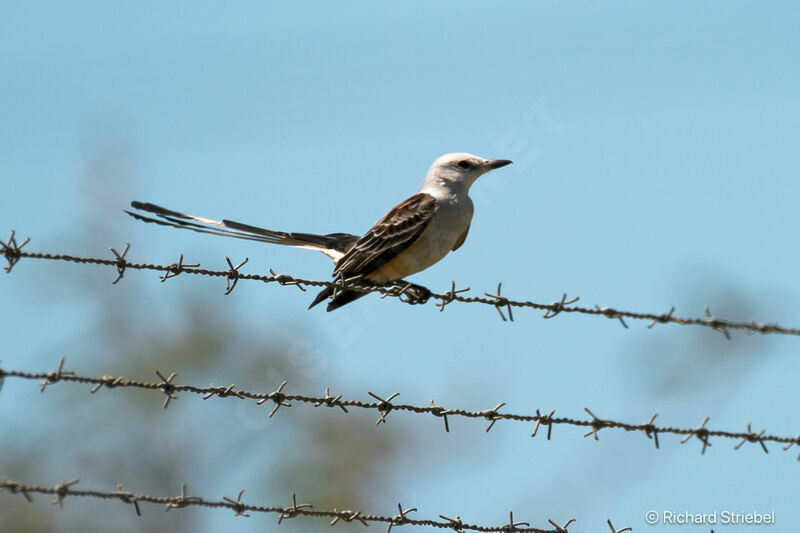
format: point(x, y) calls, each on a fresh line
point(334, 245)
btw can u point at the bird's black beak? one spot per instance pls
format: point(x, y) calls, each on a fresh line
point(497, 163)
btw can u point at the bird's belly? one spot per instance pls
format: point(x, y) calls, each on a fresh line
point(435, 242)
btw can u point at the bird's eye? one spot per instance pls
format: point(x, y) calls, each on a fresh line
point(465, 164)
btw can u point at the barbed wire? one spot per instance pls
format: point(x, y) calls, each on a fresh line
point(384, 406)
point(240, 508)
point(407, 292)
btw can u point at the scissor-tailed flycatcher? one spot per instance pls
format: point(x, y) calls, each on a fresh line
point(412, 236)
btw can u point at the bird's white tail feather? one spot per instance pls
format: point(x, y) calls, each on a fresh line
point(334, 245)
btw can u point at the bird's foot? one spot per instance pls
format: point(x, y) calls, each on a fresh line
point(410, 292)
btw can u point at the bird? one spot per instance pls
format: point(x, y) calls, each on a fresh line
point(415, 234)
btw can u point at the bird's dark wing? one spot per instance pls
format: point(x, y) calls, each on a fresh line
point(388, 237)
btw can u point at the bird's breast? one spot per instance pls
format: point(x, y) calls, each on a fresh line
point(440, 236)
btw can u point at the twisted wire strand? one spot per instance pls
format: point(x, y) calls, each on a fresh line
point(384, 406)
point(240, 508)
point(406, 292)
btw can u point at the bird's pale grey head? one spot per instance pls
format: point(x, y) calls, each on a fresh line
point(458, 171)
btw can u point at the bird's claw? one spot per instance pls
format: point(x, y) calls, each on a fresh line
point(411, 293)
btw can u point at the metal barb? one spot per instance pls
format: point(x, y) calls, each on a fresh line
point(753, 437)
point(796, 440)
point(492, 415)
point(543, 419)
point(701, 433)
point(183, 500)
point(223, 392)
point(330, 400)
point(611, 313)
point(336, 518)
point(663, 318)
point(454, 523)
point(11, 250)
point(613, 530)
point(562, 529)
point(232, 275)
point(239, 507)
point(107, 381)
point(555, 308)
point(167, 387)
point(513, 526)
point(449, 296)
point(400, 518)
point(597, 424)
point(285, 279)
point(717, 324)
point(292, 510)
point(53, 377)
point(278, 397)
point(438, 410)
point(120, 262)
point(128, 497)
point(61, 490)
point(15, 487)
point(176, 268)
point(384, 406)
point(349, 516)
point(650, 429)
point(500, 302)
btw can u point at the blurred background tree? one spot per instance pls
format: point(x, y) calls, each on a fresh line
point(332, 459)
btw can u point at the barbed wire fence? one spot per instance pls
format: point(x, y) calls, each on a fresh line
point(13, 252)
point(240, 508)
point(384, 406)
point(409, 293)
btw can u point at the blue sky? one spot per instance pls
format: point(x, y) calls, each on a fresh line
point(656, 165)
